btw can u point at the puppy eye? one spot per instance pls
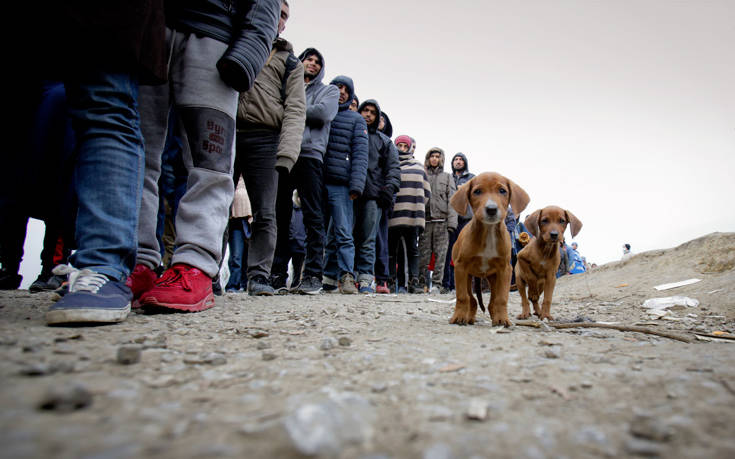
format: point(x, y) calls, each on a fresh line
point(502, 191)
point(544, 221)
point(561, 221)
point(477, 191)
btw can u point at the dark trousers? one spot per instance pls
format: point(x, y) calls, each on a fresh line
point(403, 251)
point(255, 159)
point(381, 248)
point(306, 177)
point(448, 281)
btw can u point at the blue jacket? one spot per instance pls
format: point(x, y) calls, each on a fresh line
point(345, 162)
point(383, 168)
point(321, 108)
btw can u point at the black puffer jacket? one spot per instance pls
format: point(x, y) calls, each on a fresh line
point(248, 26)
point(383, 168)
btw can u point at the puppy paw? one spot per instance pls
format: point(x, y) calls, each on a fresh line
point(459, 318)
point(523, 315)
point(546, 316)
point(502, 320)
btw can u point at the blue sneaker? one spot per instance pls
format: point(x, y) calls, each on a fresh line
point(366, 286)
point(92, 297)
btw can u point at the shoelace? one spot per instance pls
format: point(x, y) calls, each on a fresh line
point(81, 279)
point(174, 276)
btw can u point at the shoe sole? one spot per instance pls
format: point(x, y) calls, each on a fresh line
point(67, 316)
point(309, 292)
point(151, 304)
point(263, 294)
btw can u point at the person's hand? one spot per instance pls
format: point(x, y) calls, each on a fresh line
point(354, 195)
point(385, 197)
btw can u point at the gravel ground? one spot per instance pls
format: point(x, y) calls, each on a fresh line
point(371, 376)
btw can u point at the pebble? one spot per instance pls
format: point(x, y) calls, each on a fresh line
point(477, 410)
point(344, 341)
point(66, 398)
point(129, 354)
point(269, 356)
point(553, 352)
point(640, 447)
point(650, 428)
point(327, 344)
point(262, 345)
point(211, 358)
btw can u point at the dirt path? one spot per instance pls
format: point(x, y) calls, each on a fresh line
point(385, 375)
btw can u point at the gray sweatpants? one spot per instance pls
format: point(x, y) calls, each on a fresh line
point(206, 109)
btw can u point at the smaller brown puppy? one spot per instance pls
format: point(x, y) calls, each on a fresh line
point(483, 247)
point(539, 260)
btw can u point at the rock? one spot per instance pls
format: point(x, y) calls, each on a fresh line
point(650, 428)
point(327, 344)
point(477, 410)
point(210, 358)
point(262, 345)
point(66, 398)
point(344, 341)
point(269, 356)
point(553, 352)
point(129, 354)
point(325, 426)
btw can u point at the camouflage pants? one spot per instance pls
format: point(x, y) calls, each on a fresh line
point(434, 239)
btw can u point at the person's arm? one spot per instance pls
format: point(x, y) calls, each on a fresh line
point(325, 109)
point(359, 158)
point(294, 119)
point(452, 215)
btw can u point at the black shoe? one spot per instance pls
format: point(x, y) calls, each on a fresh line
point(9, 280)
point(216, 287)
point(415, 286)
point(259, 286)
point(310, 285)
point(41, 283)
point(279, 285)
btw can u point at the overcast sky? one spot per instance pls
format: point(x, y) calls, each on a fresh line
point(622, 112)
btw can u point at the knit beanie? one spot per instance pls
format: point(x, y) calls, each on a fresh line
point(404, 139)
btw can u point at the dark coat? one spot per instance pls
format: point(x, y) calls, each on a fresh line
point(345, 161)
point(383, 168)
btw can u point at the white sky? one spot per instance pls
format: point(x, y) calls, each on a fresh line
point(622, 112)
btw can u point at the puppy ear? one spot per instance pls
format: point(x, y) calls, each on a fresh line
point(574, 222)
point(518, 197)
point(461, 198)
point(531, 222)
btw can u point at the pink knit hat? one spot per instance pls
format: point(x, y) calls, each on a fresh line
point(404, 139)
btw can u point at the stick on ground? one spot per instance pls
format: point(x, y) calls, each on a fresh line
point(676, 336)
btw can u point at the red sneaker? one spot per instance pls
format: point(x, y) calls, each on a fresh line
point(140, 281)
point(181, 287)
point(382, 287)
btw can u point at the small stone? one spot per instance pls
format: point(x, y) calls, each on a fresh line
point(36, 369)
point(66, 398)
point(477, 410)
point(650, 428)
point(640, 447)
point(379, 388)
point(344, 341)
point(554, 352)
point(585, 385)
point(129, 354)
point(269, 356)
point(262, 345)
point(327, 344)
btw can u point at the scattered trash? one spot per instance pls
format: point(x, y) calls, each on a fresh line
point(451, 368)
point(658, 307)
point(621, 285)
point(676, 284)
point(441, 301)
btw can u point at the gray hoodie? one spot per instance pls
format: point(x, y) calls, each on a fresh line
point(321, 108)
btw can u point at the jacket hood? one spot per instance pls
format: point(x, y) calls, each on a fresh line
point(466, 164)
point(388, 127)
point(347, 81)
point(308, 52)
point(374, 126)
point(441, 158)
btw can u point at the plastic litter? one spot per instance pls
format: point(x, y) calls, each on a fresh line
point(676, 284)
point(659, 307)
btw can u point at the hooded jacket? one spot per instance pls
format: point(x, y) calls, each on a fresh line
point(321, 108)
point(247, 26)
point(345, 162)
point(263, 106)
point(415, 191)
point(460, 179)
point(442, 189)
point(388, 126)
point(383, 168)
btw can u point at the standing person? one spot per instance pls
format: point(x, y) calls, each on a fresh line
point(626, 252)
point(461, 175)
point(355, 103)
point(345, 167)
point(217, 49)
point(270, 126)
point(383, 181)
point(239, 235)
point(307, 178)
point(407, 219)
point(576, 262)
point(441, 219)
point(381, 237)
point(106, 50)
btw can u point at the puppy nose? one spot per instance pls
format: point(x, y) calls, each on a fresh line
point(554, 235)
point(491, 209)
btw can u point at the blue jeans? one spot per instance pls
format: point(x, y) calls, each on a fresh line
point(367, 216)
point(238, 240)
point(109, 171)
point(339, 254)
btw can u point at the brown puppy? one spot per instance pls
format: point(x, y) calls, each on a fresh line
point(539, 260)
point(483, 247)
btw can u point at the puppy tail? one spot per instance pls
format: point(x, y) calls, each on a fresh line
point(477, 285)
